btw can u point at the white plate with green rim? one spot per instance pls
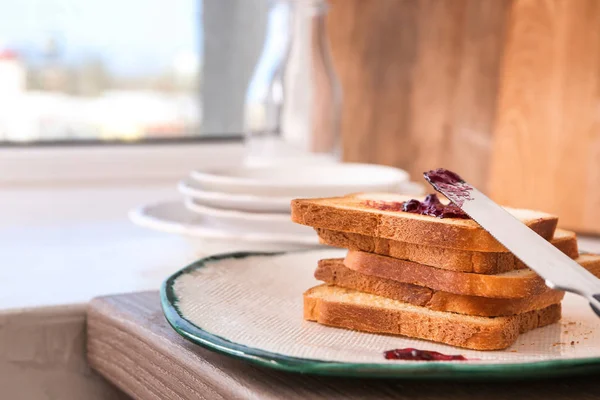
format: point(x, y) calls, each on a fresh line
point(249, 306)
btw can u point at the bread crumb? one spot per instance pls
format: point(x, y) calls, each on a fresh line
point(566, 332)
point(514, 351)
point(573, 342)
point(585, 338)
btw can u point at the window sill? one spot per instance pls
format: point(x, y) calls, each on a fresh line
point(53, 166)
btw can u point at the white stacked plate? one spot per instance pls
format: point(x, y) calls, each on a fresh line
point(248, 208)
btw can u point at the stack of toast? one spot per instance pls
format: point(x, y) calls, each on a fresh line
point(441, 279)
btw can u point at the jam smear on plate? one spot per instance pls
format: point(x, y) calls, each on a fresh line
point(410, 354)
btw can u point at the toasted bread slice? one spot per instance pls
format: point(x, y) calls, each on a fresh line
point(333, 272)
point(514, 284)
point(352, 214)
point(440, 257)
point(344, 308)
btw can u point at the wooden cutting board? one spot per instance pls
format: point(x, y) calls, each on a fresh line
point(420, 81)
point(131, 344)
point(505, 92)
point(546, 148)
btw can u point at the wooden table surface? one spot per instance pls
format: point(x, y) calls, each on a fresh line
point(132, 345)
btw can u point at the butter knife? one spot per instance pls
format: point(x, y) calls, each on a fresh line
point(559, 271)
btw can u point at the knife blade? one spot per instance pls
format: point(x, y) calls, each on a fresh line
point(558, 270)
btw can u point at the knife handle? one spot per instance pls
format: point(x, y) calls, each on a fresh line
point(595, 303)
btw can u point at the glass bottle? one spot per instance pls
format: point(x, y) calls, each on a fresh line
point(293, 102)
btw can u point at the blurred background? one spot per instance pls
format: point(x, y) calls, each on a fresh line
point(506, 92)
point(73, 70)
point(97, 71)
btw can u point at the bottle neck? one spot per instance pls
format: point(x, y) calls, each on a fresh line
point(311, 7)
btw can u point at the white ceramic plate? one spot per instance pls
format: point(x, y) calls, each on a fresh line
point(303, 181)
point(249, 221)
point(174, 217)
point(259, 319)
point(268, 204)
point(241, 202)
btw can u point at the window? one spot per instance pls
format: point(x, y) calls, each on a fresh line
point(81, 70)
point(123, 72)
point(100, 70)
